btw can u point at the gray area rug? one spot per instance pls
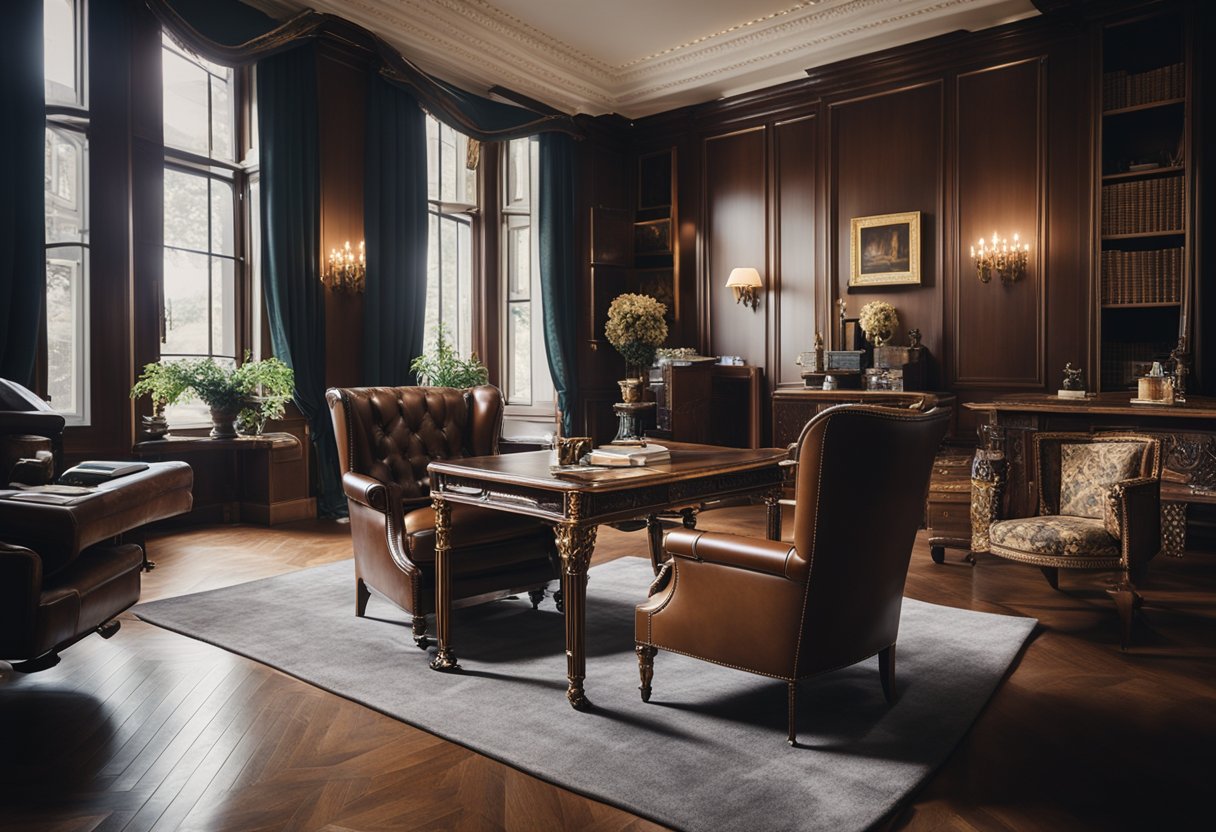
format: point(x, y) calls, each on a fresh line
point(707, 753)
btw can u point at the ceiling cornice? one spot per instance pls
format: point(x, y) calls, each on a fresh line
point(477, 45)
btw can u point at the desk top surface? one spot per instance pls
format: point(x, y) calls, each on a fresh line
point(688, 461)
point(1195, 407)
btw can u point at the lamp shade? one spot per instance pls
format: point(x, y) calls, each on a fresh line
point(743, 277)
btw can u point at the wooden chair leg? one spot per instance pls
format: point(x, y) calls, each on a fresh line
point(646, 655)
point(536, 596)
point(362, 594)
point(420, 637)
point(1052, 574)
point(886, 670)
point(792, 739)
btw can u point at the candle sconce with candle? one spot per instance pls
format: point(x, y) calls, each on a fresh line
point(347, 271)
point(1007, 259)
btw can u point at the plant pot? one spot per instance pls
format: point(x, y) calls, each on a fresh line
point(223, 422)
point(156, 427)
point(631, 390)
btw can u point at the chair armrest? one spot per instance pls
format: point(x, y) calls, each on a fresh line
point(20, 590)
point(1140, 502)
point(34, 422)
point(771, 557)
point(366, 491)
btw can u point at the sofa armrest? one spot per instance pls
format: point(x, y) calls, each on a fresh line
point(20, 590)
point(365, 490)
point(1140, 502)
point(34, 422)
point(757, 555)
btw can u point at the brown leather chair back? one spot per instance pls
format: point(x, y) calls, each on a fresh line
point(1048, 460)
point(863, 476)
point(392, 433)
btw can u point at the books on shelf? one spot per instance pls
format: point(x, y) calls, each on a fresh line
point(1121, 88)
point(627, 456)
point(1143, 206)
point(1141, 277)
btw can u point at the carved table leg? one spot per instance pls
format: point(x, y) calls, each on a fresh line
point(445, 659)
point(645, 668)
point(574, 545)
point(654, 531)
point(772, 502)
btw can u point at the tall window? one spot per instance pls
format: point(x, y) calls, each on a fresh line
point(205, 186)
point(451, 201)
point(527, 382)
point(66, 177)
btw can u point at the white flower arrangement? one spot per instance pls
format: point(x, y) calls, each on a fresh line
point(636, 327)
point(878, 320)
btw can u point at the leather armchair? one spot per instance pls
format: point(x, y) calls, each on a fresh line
point(386, 438)
point(31, 436)
point(832, 597)
point(1099, 508)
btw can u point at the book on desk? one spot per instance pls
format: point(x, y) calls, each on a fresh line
point(627, 456)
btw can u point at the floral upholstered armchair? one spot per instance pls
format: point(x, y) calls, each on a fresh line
point(1099, 508)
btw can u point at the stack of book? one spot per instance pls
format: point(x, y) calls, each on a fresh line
point(626, 456)
point(1128, 89)
point(1132, 277)
point(1142, 206)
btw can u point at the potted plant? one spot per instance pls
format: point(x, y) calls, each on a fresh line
point(878, 321)
point(165, 385)
point(443, 367)
point(636, 328)
point(260, 387)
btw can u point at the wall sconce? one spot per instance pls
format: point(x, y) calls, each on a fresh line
point(1000, 256)
point(746, 285)
point(347, 271)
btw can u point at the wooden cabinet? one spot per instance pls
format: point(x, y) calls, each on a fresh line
point(1145, 163)
point(794, 407)
point(708, 403)
point(948, 513)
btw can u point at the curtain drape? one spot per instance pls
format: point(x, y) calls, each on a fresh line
point(22, 261)
point(558, 275)
point(291, 221)
point(395, 230)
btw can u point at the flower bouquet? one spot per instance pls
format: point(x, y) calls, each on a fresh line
point(636, 329)
point(878, 321)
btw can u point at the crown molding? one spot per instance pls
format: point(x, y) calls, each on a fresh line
point(477, 45)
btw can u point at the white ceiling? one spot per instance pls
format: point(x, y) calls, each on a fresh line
point(638, 57)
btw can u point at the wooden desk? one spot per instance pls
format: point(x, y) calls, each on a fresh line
point(1188, 444)
point(793, 407)
point(577, 504)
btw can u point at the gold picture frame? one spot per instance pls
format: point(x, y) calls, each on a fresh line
point(884, 249)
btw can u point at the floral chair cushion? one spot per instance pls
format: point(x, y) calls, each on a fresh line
point(1088, 470)
point(1058, 536)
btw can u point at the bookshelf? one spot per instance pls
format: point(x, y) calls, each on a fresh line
point(1144, 176)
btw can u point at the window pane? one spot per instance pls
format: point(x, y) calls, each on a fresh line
point(432, 282)
point(519, 254)
point(66, 292)
point(185, 101)
point(448, 255)
point(518, 175)
point(432, 158)
point(519, 352)
point(187, 327)
point(222, 121)
point(255, 263)
point(222, 214)
point(464, 283)
point(65, 160)
point(223, 306)
point(185, 210)
point(59, 51)
point(448, 162)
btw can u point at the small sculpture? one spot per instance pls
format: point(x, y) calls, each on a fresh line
point(1180, 355)
point(1072, 378)
point(914, 338)
point(818, 352)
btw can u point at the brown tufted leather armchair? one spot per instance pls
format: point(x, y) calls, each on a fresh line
point(830, 599)
point(386, 438)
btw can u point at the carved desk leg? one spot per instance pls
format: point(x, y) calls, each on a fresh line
point(575, 543)
point(445, 659)
point(654, 533)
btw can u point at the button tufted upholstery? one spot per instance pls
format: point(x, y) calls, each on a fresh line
point(387, 436)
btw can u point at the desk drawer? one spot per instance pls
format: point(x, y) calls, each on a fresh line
point(949, 517)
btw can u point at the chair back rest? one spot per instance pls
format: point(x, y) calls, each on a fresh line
point(392, 433)
point(862, 482)
point(1048, 455)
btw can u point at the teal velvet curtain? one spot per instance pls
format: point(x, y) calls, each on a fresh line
point(558, 269)
point(395, 230)
point(291, 222)
point(22, 261)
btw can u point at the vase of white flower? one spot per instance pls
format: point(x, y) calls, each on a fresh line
point(636, 328)
point(879, 322)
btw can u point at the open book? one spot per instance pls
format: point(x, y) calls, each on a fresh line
point(628, 455)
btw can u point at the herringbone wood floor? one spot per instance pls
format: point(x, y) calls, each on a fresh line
point(152, 730)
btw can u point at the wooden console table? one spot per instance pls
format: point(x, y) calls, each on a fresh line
point(1187, 433)
point(576, 504)
point(253, 479)
point(793, 407)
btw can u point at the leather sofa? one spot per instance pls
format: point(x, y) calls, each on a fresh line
point(386, 437)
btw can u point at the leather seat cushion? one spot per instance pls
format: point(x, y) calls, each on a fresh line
point(475, 529)
point(60, 531)
point(1056, 536)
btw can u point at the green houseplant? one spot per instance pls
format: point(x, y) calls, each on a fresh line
point(254, 392)
point(443, 366)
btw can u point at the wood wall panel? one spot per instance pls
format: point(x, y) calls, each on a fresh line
point(735, 235)
point(999, 188)
point(887, 157)
point(793, 291)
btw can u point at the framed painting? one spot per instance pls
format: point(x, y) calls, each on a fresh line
point(653, 237)
point(885, 249)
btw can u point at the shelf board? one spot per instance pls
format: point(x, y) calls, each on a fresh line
point(1165, 170)
point(1144, 235)
point(1158, 305)
point(1137, 108)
